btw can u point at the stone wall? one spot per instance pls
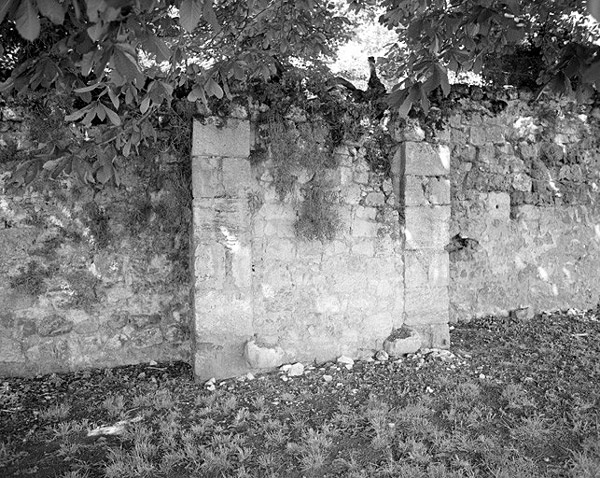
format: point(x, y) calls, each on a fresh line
point(265, 296)
point(525, 203)
point(92, 278)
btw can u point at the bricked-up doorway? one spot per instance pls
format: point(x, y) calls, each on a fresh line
point(264, 297)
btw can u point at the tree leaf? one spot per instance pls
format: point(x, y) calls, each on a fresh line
point(210, 16)
point(87, 88)
point(213, 88)
point(104, 173)
point(127, 67)
point(157, 47)
point(112, 116)
point(93, 7)
point(27, 21)
point(410, 100)
point(52, 10)
point(78, 114)
point(97, 31)
point(190, 13)
point(145, 104)
point(113, 97)
point(592, 74)
point(593, 7)
point(5, 6)
point(196, 94)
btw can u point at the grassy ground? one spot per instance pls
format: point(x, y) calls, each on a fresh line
point(513, 399)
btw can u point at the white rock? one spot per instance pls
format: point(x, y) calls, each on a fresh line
point(292, 370)
point(262, 356)
point(402, 341)
point(210, 384)
point(295, 370)
point(249, 376)
point(327, 378)
point(382, 356)
point(152, 363)
point(345, 360)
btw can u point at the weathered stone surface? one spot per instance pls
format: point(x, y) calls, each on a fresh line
point(434, 335)
point(426, 191)
point(424, 159)
point(426, 268)
point(427, 227)
point(218, 137)
point(53, 325)
point(263, 356)
point(10, 350)
point(402, 341)
point(293, 370)
point(426, 305)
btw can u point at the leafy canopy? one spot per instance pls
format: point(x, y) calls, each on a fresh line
point(489, 37)
point(124, 63)
point(121, 62)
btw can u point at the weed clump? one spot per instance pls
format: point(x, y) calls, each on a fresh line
point(30, 280)
point(318, 218)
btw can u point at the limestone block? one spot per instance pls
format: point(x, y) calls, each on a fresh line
point(281, 249)
point(426, 305)
point(207, 179)
point(263, 356)
point(423, 191)
point(427, 227)
point(434, 335)
point(423, 159)
point(402, 341)
point(426, 268)
point(437, 191)
point(229, 138)
point(364, 228)
point(375, 199)
point(498, 206)
point(352, 194)
point(361, 177)
point(209, 265)
point(480, 135)
point(379, 324)
point(364, 248)
point(241, 267)
point(237, 176)
point(219, 314)
point(219, 360)
point(327, 304)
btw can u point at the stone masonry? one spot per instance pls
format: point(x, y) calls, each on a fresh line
point(425, 192)
point(525, 200)
point(264, 297)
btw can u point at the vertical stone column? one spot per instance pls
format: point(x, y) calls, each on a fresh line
point(221, 180)
point(424, 190)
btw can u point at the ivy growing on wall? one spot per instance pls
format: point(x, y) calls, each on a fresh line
point(304, 117)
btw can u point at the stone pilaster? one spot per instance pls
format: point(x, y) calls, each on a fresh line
point(221, 181)
point(424, 193)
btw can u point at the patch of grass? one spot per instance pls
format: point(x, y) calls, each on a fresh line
point(114, 405)
point(536, 418)
point(59, 411)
